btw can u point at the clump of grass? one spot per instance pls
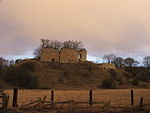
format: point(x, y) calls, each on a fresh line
point(108, 83)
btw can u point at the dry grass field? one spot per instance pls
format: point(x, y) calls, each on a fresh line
point(117, 98)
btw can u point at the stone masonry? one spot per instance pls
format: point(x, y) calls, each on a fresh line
point(49, 54)
point(65, 55)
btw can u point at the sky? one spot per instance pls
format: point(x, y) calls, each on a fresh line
point(121, 27)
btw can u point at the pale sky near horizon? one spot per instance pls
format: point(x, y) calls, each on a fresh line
point(121, 27)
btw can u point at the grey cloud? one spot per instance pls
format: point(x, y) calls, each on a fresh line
point(115, 26)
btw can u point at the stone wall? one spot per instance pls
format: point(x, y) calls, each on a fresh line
point(68, 55)
point(107, 66)
point(82, 55)
point(49, 54)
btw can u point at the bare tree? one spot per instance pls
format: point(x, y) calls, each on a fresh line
point(146, 61)
point(129, 61)
point(136, 63)
point(56, 44)
point(73, 44)
point(68, 44)
point(47, 43)
point(37, 52)
point(18, 60)
point(109, 58)
point(3, 63)
point(11, 62)
point(118, 61)
point(77, 45)
point(43, 43)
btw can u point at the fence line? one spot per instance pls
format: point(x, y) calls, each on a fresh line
point(4, 98)
point(52, 101)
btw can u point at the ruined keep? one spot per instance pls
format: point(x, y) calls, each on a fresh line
point(65, 55)
point(68, 55)
point(49, 54)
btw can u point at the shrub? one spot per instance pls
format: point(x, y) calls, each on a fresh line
point(29, 65)
point(86, 75)
point(143, 76)
point(65, 74)
point(20, 76)
point(108, 83)
point(135, 82)
point(113, 73)
point(120, 80)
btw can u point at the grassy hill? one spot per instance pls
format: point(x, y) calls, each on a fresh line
point(82, 75)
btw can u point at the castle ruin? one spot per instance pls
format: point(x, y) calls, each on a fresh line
point(65, 55)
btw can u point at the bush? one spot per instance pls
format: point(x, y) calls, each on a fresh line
point(108, 83)
point(113, 73)
point(135, 82)
point(86, 75)
point(29, 66)
point(143, 76)
point(20, 76)
point(65, 74)
point(120, 80)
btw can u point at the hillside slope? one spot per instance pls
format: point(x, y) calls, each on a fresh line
point(84, 75)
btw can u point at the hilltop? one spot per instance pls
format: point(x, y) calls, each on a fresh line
point(81, 75)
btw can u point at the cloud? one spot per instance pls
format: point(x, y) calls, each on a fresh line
point(119, 26)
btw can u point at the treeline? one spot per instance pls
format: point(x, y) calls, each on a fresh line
point(5, 63)
point(58, 44)
point(119, 61)
point(45, 43)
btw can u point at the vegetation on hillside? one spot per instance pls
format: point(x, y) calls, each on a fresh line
point(82, 75)
point(21, 76)
point(36, 74)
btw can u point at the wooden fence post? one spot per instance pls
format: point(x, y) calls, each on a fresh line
point(141, 102)
point(4, 101)
point(52, 97)
point(90, 98)
point(132, 98)
point(15, 97)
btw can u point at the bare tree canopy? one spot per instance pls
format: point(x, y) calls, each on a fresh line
point(2, 60)
point(43, 43)
point(11, 62)
point(146, 61)
point(58, 45)
point(130, 62)
point(109, 58)
point(37, 52)
point(55, 44)
point(3, 63)
point(118, 61)
point(73, 44)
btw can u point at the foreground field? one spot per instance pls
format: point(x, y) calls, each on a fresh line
point(113, 98)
